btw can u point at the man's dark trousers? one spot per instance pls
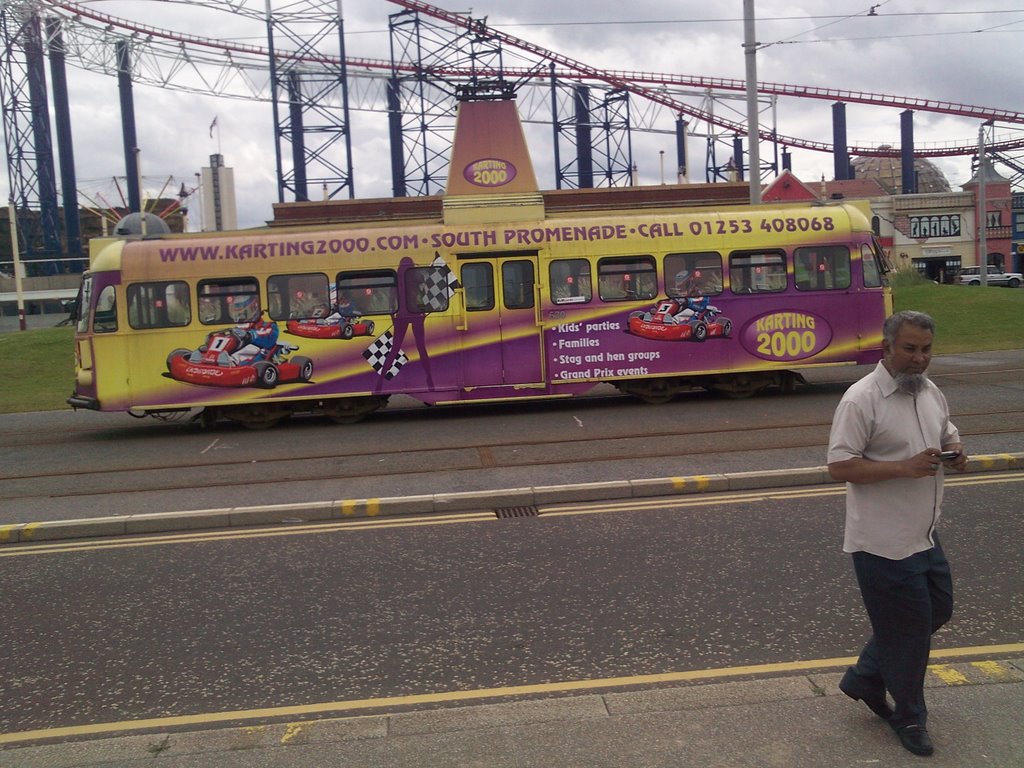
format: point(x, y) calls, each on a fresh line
point(906, 600)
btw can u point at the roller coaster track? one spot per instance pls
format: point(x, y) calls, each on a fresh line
point(631, 81)
point(247, 65)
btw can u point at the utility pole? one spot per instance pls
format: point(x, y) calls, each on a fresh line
point(753, 130)
point(13, 217)
point(982, 209)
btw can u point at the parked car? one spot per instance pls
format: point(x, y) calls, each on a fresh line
point(996, 276)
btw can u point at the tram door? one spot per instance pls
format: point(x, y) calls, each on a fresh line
point(501, 336)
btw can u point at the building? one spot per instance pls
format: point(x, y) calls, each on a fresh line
point(936, 233)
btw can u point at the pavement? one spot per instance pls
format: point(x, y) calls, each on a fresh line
point(789, 715)
point(976, 718)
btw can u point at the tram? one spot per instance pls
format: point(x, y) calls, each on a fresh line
point(493, 296)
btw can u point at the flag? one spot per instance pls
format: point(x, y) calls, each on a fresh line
point(377, 353)
point(439, 285)
point(212, 126)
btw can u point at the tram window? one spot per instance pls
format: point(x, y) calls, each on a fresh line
point(478, 286)
point(627, 279)
point(159, 304)
point(517, 284)
point(426, 289)
point(371, 293)
point(693, 274)
point(229, 301)
point(757, 272)
point(869, 264)
point(105, 318)
point(298, 296)
point(822, 268)
point(86, 298)
point(570, 281)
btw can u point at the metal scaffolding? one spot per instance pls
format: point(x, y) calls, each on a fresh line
point(310, 104)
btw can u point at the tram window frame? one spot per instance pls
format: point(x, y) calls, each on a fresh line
point(425, 290)
point(704, 268)
point(105, 317)
point(871, 267)
point(150, 304)
point(371, 292)
point(478, 295)
point(569, 281)
point(742, 266)
point(221, 293)
point(297, 298)
point(86, 299)
point(829, 271)
point(625, 270)
point(518, 281)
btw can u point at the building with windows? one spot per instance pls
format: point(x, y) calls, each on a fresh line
point(936, 233)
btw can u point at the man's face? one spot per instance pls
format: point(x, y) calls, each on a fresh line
point(911, 352)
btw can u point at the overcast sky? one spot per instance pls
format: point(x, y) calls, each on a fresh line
point(930, 49)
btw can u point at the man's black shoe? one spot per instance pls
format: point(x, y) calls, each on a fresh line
point(916, 739)
point(876, 702)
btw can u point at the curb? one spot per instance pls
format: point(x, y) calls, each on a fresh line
point(440, 503)
point(500, 712)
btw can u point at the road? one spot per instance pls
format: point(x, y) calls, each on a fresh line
point(317, 617)
point(70, 465)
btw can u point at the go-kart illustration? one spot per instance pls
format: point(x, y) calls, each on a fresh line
point(247, 355)
point(680, 319)
point(340, 322)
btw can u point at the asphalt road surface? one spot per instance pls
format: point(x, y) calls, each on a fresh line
point(68, 464)
point(255, 619)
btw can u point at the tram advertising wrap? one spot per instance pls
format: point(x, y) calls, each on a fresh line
point(256, 325)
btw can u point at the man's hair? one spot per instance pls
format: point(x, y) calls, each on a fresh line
point(908, 316)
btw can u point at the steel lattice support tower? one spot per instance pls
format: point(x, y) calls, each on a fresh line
point(303, 95)
point(422, 99)
point(29, 147)
point(736, 167)
point(597, 133)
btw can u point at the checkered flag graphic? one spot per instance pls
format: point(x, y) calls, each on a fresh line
point(440, 284)
point(377, 353)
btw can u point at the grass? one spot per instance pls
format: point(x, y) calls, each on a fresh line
point(40, 369)
point(40, 363)
point(969, 319)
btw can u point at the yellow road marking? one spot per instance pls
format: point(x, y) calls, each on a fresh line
point(374, 521)
point(992, 669)
point(121, 542)
point(385, 702)
point(666, 502)
point(948, 675)
point(292, 731)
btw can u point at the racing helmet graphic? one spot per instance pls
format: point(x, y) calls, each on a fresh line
point(688, 282)
point(244, 308)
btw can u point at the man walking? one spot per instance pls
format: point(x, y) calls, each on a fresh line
point(890, 442)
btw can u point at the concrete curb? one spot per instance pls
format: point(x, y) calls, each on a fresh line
point(600, 707)
point(440, 503)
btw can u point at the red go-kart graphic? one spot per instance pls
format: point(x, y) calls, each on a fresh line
point(336, 325)
point(247, 355)
point(680, 320)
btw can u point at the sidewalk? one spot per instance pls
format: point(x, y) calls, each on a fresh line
point(976, 719)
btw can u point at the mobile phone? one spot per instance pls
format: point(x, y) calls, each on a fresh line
point(949, 455)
